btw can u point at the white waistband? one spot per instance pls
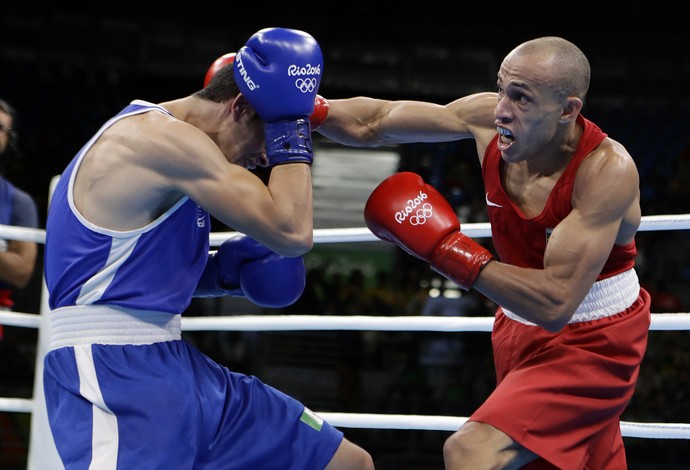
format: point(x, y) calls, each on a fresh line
point(606, 297)
point(104, 324)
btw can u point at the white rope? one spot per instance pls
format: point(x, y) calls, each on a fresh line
point(426, 422)
point(453, 423)
point(11, 232)
point(475, 230)
point(322, 235)
point(27, 320)
point(665, 222)
point(335, 322)
point(17, 405)
point(660, 322)
point(656, 430)
point(669, 321)
point(352, 235)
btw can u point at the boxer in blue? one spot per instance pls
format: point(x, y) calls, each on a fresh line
point(127, 248)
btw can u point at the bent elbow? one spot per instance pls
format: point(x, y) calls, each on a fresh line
point(297, 245)
point(299, 250)
point(557, 318)
point(306, 244)
point(554, 326)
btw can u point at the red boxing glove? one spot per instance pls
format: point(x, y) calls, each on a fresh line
point(406, 211)
point(320, 113)
point(218, 64)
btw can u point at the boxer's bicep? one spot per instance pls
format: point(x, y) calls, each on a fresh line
point(578, 248)
point(576, 251)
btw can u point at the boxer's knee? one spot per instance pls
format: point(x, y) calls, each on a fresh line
point(478, 445)
point(460, 449)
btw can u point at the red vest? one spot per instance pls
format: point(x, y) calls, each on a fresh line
point(521, 241)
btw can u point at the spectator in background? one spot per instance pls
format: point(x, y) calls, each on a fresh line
point(17, 208)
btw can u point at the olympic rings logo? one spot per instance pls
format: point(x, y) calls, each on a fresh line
point(422, 214)
point(419, 216)
point(305, 85)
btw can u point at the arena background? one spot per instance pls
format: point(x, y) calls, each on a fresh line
point(68, 69)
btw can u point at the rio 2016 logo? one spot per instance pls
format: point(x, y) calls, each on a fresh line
point(297, 71)
point(420, 215)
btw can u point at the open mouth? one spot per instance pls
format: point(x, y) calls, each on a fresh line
point(505, 138)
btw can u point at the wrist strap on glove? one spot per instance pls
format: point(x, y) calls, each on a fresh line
point(288, 141)
point(460, 259)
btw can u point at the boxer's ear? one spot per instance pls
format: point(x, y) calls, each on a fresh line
point(571, 109)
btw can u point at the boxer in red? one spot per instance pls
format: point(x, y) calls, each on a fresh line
point(563, 202)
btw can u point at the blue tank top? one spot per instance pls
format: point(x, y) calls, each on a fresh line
point(155, 267)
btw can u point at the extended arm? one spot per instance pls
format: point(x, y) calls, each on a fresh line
point(369, 122)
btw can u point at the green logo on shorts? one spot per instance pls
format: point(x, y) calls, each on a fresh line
point(310, 418)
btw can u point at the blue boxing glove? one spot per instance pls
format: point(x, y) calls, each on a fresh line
point(279, 71)
point(242, 267)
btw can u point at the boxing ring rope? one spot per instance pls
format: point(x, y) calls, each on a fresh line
point(649, 223)
point(660, 321)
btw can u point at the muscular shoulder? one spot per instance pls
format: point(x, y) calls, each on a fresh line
point(161, 142)
point(167, 131)
point(475, 113)
point(141, 164)
point(608, 177)
point(610, 160)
